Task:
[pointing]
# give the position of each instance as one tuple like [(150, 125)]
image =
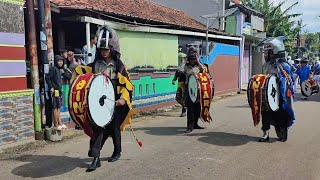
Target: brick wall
[(16, 117)]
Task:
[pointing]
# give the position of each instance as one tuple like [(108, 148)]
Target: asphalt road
[(226, 149)]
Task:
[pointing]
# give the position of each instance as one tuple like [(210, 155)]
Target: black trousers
[(101, 135), (48, 112), (184, 109), (278, 119), (193, 113)]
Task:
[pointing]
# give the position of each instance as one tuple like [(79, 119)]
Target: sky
[(310, 11)]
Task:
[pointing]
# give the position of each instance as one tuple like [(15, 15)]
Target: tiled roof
[(142, 9)]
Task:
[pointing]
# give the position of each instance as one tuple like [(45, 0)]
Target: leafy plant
[(277, 22)]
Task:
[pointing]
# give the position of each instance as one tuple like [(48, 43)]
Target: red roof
[(142, 9)]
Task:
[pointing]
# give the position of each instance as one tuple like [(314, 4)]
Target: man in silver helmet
[(276, 64), (109, 63)]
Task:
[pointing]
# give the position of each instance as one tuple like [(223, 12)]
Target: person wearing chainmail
[(180, 94), (276, 64), (108, 62), (192, 65), (304, 73)]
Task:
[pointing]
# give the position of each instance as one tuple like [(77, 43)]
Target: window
[(154, 88), (147, 89), (140, 90)]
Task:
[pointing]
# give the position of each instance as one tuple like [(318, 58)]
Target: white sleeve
[(84, 52), (181, 68), (93, 57)]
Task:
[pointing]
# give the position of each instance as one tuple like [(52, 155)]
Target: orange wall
[(225, 72)]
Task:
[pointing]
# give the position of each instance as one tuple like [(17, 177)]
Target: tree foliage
[(277, 22), (312, 43)]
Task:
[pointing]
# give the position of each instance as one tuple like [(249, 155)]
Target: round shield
[(101, 100), (249, 91), (273, 93), (309, 87), (193, 88), (306, 88)]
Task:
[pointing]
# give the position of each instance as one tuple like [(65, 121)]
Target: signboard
[(257, 23)]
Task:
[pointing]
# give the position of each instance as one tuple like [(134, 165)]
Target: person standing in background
[(93, 50), (180, 94), (304, 73), (54, 81)]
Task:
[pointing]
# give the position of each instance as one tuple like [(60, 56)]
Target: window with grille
[(153, 88), (147, 89)]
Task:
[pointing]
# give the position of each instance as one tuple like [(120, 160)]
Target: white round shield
[(101, 100), (273, 93), (193, 88)]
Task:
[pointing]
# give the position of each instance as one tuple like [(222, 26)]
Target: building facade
[(149, 45), (16, 101), (249, 24)]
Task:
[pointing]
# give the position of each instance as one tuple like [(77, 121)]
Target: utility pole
[(207, 41), (298, 38), (318, 33), (318, 43), (44, 59), (32, 48), (219, 19), (48, 23)]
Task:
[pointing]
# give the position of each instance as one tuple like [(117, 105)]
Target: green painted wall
[(19, 2), (162, 85), (152, 49), (231, 25)]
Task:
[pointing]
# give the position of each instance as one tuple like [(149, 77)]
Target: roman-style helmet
[(274, 46), (108, 39)]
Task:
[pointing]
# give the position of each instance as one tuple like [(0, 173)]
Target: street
[(226, 149)]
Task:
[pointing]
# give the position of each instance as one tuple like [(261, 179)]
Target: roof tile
[(143, 9)]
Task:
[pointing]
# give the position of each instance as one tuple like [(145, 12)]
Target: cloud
[(310, 11)]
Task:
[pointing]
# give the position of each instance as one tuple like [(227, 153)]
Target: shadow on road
[(39, 166), (241, 106), (226, 139), (214, 138), (177, 115), (163, 131), (314, 98)]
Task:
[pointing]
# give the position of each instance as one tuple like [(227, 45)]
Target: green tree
[(312, 43)]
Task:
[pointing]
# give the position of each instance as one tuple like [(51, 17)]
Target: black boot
[(183, 113), (188, 131), (262, 139), (114, 157), (265, 137), (94, 165), (284, 134), (279, 134), (78, 127)]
